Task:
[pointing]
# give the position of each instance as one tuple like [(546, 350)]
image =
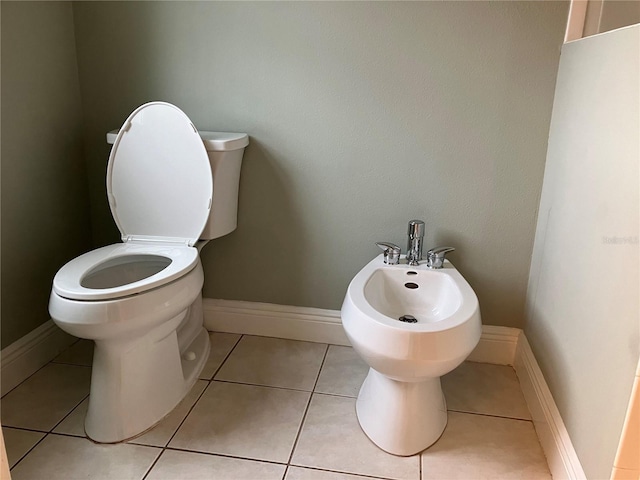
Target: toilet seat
[(160, 190), (68, 282), (159, 180)]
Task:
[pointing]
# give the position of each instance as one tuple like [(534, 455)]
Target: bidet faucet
[(414, 244)]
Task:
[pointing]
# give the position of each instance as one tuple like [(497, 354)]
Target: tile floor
[(268, 408)]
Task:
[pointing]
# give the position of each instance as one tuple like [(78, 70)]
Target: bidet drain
[(408, 319)]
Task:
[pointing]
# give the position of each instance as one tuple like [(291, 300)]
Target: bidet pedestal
[(402, 418)]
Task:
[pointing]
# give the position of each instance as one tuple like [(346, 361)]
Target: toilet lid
[(159, 179)]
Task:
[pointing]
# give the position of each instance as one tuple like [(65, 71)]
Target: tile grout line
[(233, 382), (188, 413), (225, 455), (70, 412), (306, 410), (491, 415), (26, 429), (340, 395), (153, 464), (226, 357), (69, 435), (30, 450), (363, 475), (22, 382)]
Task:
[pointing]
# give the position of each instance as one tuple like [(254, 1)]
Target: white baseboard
[(554, 438), (497, 344), (24, 357), (270, 320)]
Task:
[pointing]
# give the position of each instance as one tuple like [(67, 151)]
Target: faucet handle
[(391, 252), (435, 256)]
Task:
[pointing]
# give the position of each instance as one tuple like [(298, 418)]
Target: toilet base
[(134, 387), (402, 418)]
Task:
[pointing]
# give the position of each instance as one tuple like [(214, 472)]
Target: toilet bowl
[(140, 300), (401, 406)]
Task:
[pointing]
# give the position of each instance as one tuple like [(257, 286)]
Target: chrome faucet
[(414, 245), (435, 256), (391, 252)]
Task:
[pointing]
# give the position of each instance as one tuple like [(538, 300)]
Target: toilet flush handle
[(391, 252)]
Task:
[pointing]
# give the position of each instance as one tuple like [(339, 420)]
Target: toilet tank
[(225, 152)]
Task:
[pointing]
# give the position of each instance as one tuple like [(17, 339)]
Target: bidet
[(411, 324)]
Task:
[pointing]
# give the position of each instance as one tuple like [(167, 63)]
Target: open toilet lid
[(159, 180)]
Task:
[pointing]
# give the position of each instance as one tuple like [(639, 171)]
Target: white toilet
[(170, 189), (411, 325)]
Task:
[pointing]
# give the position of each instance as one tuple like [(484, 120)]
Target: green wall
[(45, 215), (362, 116)]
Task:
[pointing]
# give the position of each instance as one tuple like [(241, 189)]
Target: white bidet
[(411, 325)]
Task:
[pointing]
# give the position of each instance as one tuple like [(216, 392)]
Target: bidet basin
[(445, 308), (427, 295)]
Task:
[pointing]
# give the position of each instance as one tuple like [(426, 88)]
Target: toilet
[(410, 324), (170, 189)]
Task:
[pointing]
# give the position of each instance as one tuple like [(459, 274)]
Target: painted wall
[(45, 215), (583, 306), (362, 116)]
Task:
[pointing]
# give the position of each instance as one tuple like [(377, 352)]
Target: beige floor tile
[(173, 465), (484, 388), (19, 442), (298, 473), (482, 447), (73, 424), (244, 420), (80, 353), (70, 458), (160, 435), (342, 373), (331, 439), (47, 397), (274, 362), (221, 345)]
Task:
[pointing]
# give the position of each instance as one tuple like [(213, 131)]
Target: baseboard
[(554, 438), (497, 344), (270, 320), (24, 357)]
